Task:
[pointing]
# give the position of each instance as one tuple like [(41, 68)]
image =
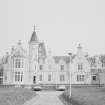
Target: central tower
[(33, 56)]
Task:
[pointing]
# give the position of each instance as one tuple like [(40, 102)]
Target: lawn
[(86, 96), (15, 96)]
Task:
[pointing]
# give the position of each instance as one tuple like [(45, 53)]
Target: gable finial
[(34, 27)]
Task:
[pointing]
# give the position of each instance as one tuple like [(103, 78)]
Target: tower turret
[(33, 57), (33, 46), (34, 36)]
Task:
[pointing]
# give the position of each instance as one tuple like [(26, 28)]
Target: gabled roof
[(19, 51)]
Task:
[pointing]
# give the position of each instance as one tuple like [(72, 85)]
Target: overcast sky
[(61, 24)]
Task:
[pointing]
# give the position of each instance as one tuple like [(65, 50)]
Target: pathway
[(46, 98)]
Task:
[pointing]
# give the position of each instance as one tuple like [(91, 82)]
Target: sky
[(61, 24)]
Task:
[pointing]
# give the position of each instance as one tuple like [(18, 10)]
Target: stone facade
[(34, 66)]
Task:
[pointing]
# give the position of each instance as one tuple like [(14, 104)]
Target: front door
[(34, 79)]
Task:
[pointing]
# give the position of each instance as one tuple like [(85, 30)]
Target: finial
[(34, 27), (79, 47)]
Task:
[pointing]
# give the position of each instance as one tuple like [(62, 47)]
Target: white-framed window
[(16, 76), (80, 77), (49, 77), (19, 76), (19, 63), (62, 77), (61, 67)]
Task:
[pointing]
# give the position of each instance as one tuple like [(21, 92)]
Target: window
[(103, 64), (41, 67), (62, 77), (62, 67), (80, 77), (40, 78), (16, 76), (22, 63), (1, 80), (80, 66), (49, 77), (19, 63), (1, 72), (94, 78), (19, 76)]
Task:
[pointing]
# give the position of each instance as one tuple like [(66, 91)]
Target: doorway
[(34, 79)]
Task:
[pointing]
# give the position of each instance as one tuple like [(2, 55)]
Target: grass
[(86, 96), (15, 96)]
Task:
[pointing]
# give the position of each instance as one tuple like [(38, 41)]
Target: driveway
[(46, 98)]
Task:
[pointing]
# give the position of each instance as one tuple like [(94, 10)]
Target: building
[(34, 66), (80, 68), (97, 69)]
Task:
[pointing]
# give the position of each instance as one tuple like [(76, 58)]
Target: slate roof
[(34, 37), (64, 58)]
